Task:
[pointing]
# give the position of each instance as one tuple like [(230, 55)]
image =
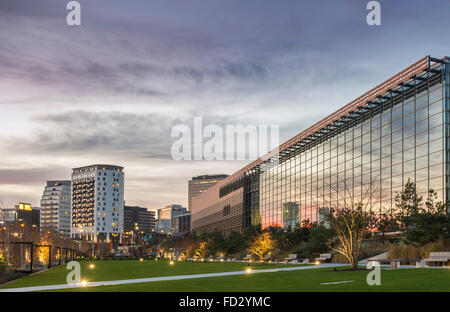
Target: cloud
[(78, 132), (32, 175), (112, 89)]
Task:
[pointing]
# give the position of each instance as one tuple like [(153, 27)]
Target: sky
[(111, 90)]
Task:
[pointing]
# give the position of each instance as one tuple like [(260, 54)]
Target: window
[(226, 210)]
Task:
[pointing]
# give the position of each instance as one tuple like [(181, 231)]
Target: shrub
[(408, 251)]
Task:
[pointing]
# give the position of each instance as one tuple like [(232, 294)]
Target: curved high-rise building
[(395, 132)]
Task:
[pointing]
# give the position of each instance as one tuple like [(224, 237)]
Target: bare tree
[(351, 219)]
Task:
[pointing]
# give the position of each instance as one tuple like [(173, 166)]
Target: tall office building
[(55, 207), (97, 201), (398, 131), (200, 184), (138, 219)]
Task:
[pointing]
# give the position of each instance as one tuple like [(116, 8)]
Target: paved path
[(167, 278)]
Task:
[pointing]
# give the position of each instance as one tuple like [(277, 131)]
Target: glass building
[(396, 132)]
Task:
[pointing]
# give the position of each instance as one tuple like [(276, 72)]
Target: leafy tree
[(318, 238), (408, 202), (386, 222), (430, 221), (4, 264), (201, 251), (235, 243), (216, 242), (251, 232), (262, 245)]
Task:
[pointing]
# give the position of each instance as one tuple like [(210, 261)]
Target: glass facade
[(381, 151), (397, 132)]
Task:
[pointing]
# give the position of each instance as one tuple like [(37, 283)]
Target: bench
[(438, 257), (291, 257), (324, 257), (395, 263), (247, 257)]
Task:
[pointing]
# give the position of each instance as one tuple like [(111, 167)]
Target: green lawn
[(407, 280), (107, 270), (291, 281)]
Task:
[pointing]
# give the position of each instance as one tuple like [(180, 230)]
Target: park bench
[(324, 257), (394, 263), (291, 257), (247, 258), (438, 257)]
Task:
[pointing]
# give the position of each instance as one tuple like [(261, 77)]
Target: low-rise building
[(138, 219)]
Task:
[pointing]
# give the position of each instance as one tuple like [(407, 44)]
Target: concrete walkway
[(167, 278)]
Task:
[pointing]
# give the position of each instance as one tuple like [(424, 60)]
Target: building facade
[(97, 201), (200, 184), (55, 207), (139, 219), (181, 224), (22, 221), (396, 132), (165, 216)]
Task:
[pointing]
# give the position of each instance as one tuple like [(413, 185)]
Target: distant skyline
[(110, 91)]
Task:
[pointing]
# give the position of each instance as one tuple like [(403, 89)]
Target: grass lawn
[(291, 281), (408, 280), (108, 270)]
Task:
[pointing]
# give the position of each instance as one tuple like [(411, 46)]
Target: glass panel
[(422, 114)]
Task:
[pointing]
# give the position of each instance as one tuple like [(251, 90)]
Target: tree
[(430, 221), (351, 226), (408, 203), (386, 222), (351, 219), (262, 245), (234, 243), (216, 242), (319, 237), (201, 250)]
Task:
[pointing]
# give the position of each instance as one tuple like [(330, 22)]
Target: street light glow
[(83, 283), (91, 266)]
